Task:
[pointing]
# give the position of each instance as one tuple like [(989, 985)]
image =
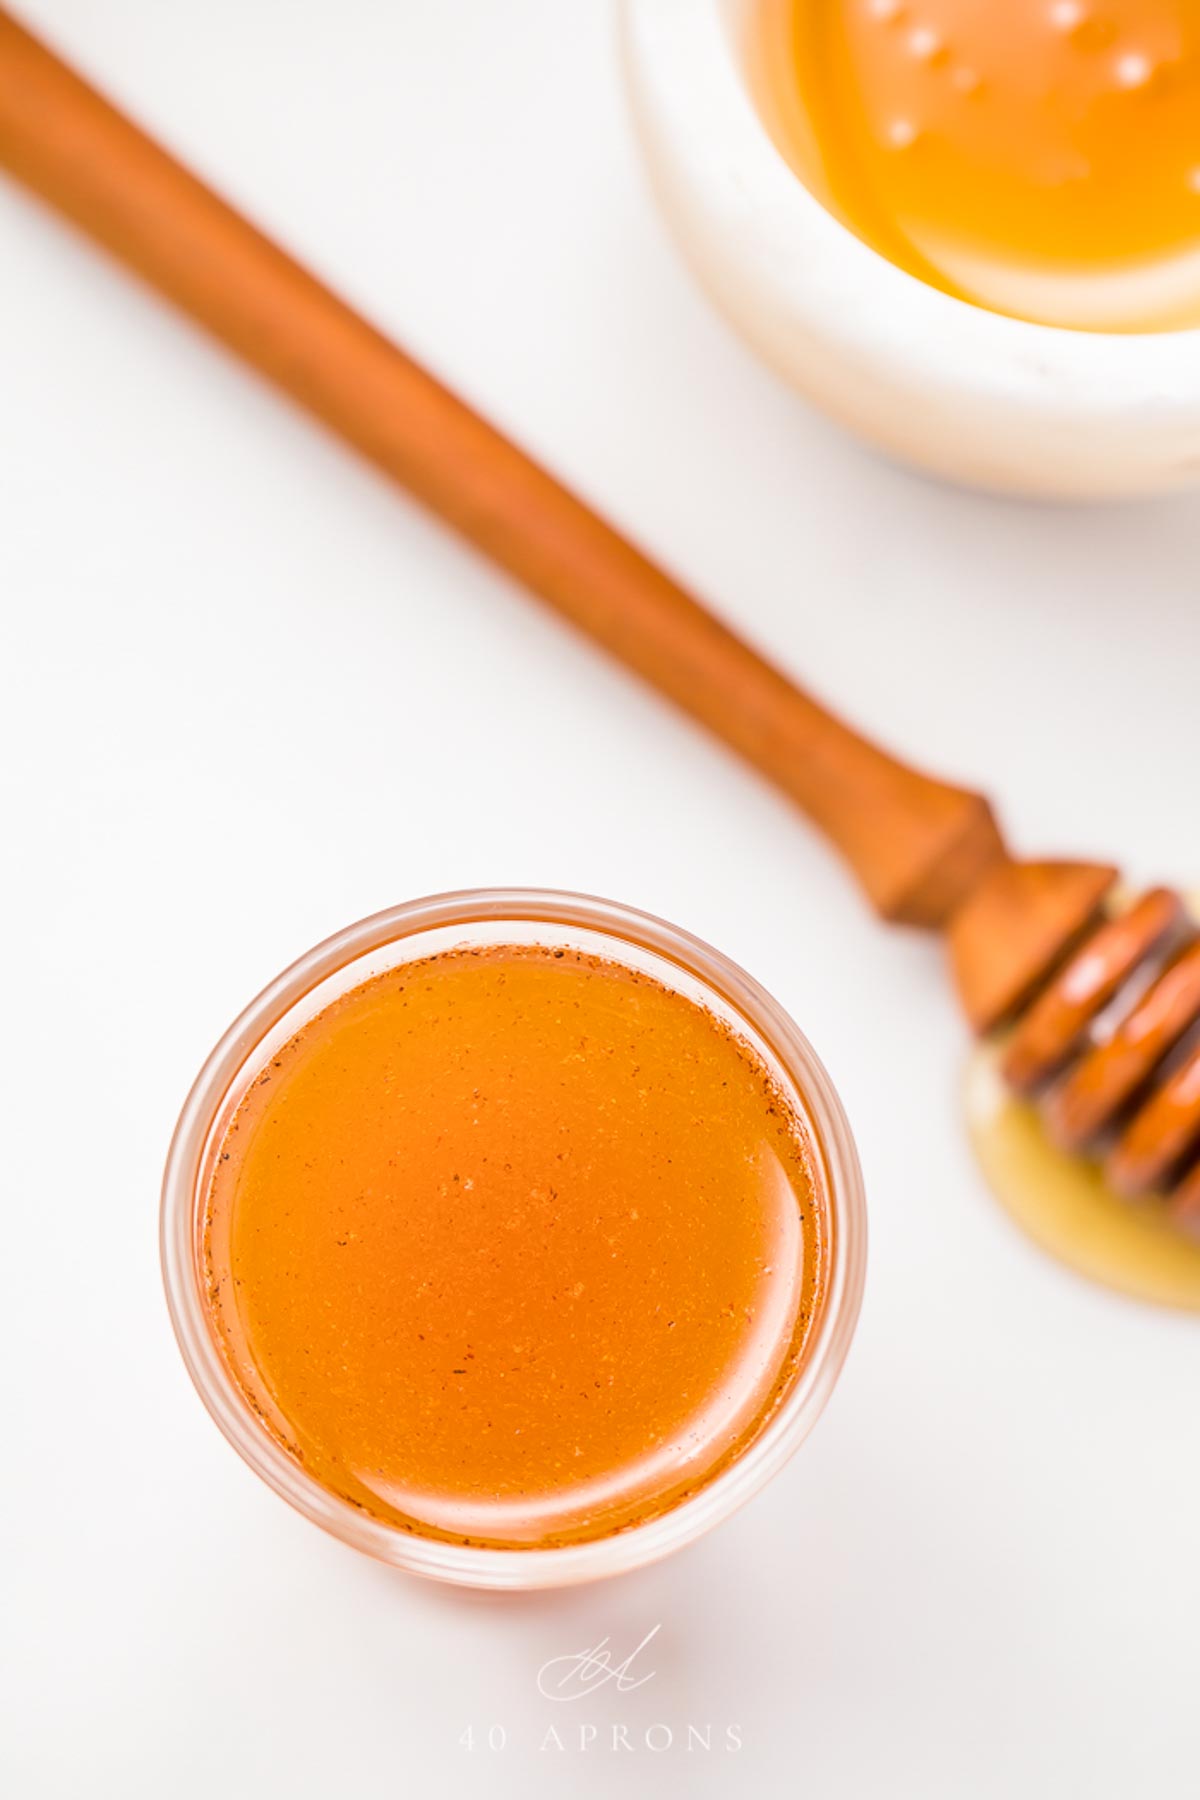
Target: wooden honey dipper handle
[(917, 845), (927, 853)]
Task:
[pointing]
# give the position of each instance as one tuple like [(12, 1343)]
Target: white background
[(249, 695)]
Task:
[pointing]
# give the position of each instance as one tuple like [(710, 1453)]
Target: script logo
[(582, 1672)]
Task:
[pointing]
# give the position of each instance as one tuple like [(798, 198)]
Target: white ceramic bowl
[(966, 393)]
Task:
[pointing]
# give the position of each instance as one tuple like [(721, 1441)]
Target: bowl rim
[(183, 1202), (686, 70)]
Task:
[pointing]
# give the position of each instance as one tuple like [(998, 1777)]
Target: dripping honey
[(1063, 1202), (514, 1245), (1037, 157)]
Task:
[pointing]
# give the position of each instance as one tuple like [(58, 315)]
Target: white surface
[(998, 402), (249, 695)]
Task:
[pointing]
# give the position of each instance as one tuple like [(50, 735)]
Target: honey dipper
[(1030, 943)]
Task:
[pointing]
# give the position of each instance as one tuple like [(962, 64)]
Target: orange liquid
[(1038, 157), (514, 1245), (1065, 1205)]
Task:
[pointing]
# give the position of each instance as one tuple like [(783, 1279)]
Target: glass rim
[(183, 1201)]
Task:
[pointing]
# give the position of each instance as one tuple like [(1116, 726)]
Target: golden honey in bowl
[(1036, 157), (514, 1245)]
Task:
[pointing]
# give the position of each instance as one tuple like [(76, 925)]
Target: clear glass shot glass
[(419, 929)]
